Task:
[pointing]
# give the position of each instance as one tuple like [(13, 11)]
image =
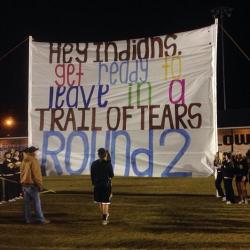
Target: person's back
[(101, 172), (30, 172)]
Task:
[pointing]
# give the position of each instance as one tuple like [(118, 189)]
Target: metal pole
[(232, 145), (223, 64), (3, 189), (221, 13)]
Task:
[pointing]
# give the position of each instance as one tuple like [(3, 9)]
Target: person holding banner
[(31, 180), (218, 175), (101, 174)]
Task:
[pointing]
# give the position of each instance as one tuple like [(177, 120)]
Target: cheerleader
[(218, 176), (228, 175), (241, 178)]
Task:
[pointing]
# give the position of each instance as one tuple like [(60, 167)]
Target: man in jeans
[(31, 180)]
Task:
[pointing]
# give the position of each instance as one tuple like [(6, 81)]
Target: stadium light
[(9, 122)]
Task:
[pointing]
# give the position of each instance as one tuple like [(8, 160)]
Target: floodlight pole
[(220, 13)]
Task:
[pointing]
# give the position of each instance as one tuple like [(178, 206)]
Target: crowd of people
[(229, 167), (11, 189)]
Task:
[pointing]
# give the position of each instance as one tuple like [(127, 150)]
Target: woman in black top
[(241, 178)]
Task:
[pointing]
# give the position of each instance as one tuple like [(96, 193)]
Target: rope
[(11, 50), (235, 43)]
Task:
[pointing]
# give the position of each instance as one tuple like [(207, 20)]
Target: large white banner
[(151, 102)]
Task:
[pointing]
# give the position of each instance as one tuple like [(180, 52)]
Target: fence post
[(3, 189)]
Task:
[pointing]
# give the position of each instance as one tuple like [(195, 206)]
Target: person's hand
[(41, 188), (18, 164), (10, 165)]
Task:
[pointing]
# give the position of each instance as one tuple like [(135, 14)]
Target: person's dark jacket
[(228, 169), (242, 167), (8, 167), (101, 172)]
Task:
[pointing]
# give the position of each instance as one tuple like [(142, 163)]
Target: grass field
[(146, 213)]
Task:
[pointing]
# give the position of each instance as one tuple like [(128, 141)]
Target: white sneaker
[(228, 202), (240, 202), (246, 201), (104, 222), (11, 200)]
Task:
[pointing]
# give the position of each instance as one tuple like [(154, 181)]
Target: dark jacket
[(228, 169), (7, 167), (241, 167), (101, 172)]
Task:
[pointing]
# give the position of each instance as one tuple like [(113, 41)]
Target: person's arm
[(92, 173), (111, 172), (37, 174), (21, 171)]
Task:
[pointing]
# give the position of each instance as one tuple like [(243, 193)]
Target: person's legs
[(12, 189), (231, 191), (37, 204), (105, 209), (218, 182), (100, 207), (7, 190), (226, 184), (239, 190), (105, 213), (105, 204), (244, 191), (27, 209), (97, 198)]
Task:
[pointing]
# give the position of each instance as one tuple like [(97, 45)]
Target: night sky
[(82, 21)]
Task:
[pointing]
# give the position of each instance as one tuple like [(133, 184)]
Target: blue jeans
[(31, 193)]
